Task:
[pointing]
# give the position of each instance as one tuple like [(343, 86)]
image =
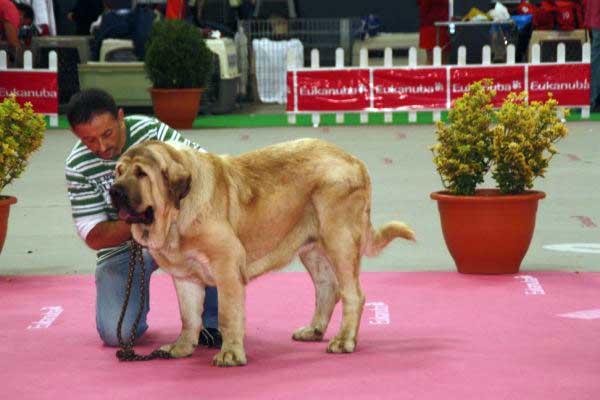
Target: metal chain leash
[(126, 352)]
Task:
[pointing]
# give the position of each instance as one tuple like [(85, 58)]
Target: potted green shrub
[(177, 62), (489, 230), (21, 133)]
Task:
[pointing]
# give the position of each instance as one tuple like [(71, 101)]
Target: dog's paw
[(178, 350), (230, 358), (307, 334), (341, 345)]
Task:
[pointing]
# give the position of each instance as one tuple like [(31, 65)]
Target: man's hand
[(108, 234)]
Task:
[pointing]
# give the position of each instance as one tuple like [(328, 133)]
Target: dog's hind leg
[(345, 257), (343, 226), (326, 294)]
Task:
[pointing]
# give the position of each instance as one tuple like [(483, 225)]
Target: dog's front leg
[(230, 286), (191, 303)]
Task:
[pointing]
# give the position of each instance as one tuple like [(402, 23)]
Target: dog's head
[(149, 178)]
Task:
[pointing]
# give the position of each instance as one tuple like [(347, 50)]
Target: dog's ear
[(178, 182)]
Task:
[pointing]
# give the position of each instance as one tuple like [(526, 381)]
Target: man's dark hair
[(26, 10), (85, 105)]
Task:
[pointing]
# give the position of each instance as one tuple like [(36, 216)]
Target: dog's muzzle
[(120, 200)]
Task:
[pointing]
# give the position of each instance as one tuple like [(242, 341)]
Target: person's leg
[(595, 70), (210, 315), (210, 335), (428, 39), (429, 56), (142, 19), (111, 281)]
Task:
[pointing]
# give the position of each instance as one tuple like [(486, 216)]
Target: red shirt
[(431, 11), (592, 14), (10, 13)]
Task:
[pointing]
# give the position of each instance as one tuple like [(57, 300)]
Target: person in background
[(84, 13), (44, 16), (28, 28), (104, 133), (241, 9), (592, 22), (121, 21), (431, 11), (12, 18)]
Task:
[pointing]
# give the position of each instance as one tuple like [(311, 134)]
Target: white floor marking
[(50, 315), (591, 248), (534, 287), (381, 313), (583, 314)]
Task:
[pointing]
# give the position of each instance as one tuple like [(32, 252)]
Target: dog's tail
[(378, 239)]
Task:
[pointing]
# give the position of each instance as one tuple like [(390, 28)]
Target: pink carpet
[(424, 336)]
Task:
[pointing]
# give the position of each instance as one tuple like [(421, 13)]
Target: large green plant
[(523, 143), (462, 154), (177, 56), (517, 149), (21, 133)]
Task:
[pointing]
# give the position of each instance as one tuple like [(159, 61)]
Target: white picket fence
[(437, 62), (28, 67)]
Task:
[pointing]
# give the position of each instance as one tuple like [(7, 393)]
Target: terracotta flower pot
[(176, 107), (488, 233), (5, 203)]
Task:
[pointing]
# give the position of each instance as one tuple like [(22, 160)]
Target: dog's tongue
[(135, 218), (124, 215)]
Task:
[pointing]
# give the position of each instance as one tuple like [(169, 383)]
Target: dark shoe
[(211, 338)]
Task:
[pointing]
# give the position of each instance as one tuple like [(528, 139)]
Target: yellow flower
[(21, 133), (513, 149)]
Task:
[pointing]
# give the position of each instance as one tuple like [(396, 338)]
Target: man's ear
[(178, 182)]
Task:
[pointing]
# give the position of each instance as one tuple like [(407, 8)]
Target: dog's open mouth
[(132, 217)]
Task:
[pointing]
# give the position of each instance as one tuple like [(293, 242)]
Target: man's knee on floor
[(108, 332), (109, 338)]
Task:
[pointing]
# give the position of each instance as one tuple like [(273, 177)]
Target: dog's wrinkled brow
[(143, 153)]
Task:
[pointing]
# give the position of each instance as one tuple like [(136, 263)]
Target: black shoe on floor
[(211, 338)]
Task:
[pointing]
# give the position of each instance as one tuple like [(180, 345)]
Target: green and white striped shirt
[(89, 177)]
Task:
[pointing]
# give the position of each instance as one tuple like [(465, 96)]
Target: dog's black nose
[(118, 195)]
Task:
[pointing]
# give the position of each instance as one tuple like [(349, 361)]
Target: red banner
[(338, 90), (506, 79), (38, 88), (568, 83), (290, 91), (413, 89), (409, 89)]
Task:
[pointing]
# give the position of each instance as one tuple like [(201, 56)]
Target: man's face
[(104, 135)]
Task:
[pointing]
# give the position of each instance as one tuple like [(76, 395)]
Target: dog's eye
[(140, 173)]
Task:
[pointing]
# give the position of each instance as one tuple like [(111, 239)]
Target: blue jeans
[(111, 281), (595, 67)]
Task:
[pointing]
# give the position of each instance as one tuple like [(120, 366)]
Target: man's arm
[(12, 37), (88, 206), (108, 234)]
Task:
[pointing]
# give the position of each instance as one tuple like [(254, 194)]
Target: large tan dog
[(224, 220)]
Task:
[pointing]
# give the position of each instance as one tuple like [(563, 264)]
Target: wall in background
[(396, 16)]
